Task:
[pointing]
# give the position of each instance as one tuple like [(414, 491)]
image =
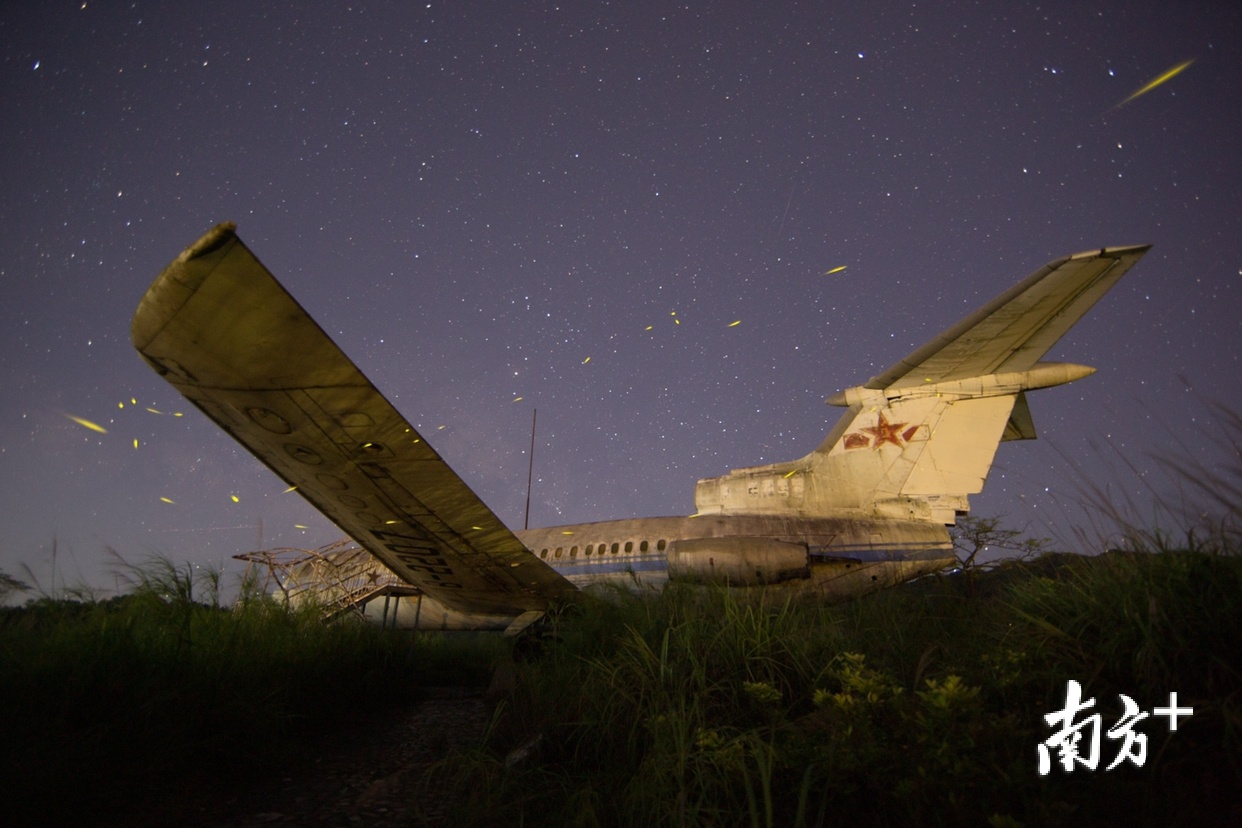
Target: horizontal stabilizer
[(1014, 331)]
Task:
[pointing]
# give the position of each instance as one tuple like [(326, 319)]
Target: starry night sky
[(475, 198)]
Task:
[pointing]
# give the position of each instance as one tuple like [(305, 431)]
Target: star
[(885, 432)]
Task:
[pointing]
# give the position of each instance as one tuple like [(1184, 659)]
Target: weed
[(922, 705), (104, 703)]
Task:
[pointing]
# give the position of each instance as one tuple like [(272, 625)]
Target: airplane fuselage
[(866, 509), (828, 558)]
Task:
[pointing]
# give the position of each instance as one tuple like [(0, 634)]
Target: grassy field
[(132, 704), (921, 705)]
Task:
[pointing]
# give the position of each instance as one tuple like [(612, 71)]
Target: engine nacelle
[(738, 561)]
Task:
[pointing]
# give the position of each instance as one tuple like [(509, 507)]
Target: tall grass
[(107, 704), (921, 705)]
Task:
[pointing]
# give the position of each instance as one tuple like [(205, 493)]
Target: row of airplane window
[(602, 549)]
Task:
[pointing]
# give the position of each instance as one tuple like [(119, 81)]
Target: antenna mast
[(530, 470)]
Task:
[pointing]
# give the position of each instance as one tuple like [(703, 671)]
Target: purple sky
[(474, 198)]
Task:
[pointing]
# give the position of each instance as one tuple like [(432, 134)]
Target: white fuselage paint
[(846, 556)]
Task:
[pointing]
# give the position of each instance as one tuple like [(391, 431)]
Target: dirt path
[(373, 778)]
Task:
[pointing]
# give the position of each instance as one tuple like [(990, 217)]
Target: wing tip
[(175, 283), (213, 239), (1118, 252)]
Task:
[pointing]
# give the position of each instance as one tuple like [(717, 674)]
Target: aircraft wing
[(220, 328), (1016, 329)]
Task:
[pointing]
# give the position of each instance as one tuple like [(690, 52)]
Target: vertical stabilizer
[(919, 438)]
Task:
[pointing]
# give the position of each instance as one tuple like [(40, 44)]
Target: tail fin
[(920, 437)]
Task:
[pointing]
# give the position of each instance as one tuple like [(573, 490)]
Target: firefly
[(88, 424), (1156, 81), (835, 270), (585, 361), (734, 324), (135, 442), (517, 399), (166, 500), (235, 498), (291, 488)]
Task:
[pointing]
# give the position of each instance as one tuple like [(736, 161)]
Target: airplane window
[(543, 554), (558, 551), (590, 548), (642, 547), (661, 544), (573, 552), (615, 547), (629, 547)]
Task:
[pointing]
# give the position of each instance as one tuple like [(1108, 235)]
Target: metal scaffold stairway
[(340, 577)]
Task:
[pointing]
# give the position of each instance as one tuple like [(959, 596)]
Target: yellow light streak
[(734, 324), (167, 500), (836, 269), (1157, 81), (88, 424)]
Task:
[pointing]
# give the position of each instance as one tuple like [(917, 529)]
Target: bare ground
[(373, 776)]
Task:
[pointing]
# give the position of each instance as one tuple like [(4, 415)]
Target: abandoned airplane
[(868, 508)]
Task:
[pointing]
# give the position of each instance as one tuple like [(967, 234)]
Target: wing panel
[(220, 328)]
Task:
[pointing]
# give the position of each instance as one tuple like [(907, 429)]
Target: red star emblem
[(885, 432)]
